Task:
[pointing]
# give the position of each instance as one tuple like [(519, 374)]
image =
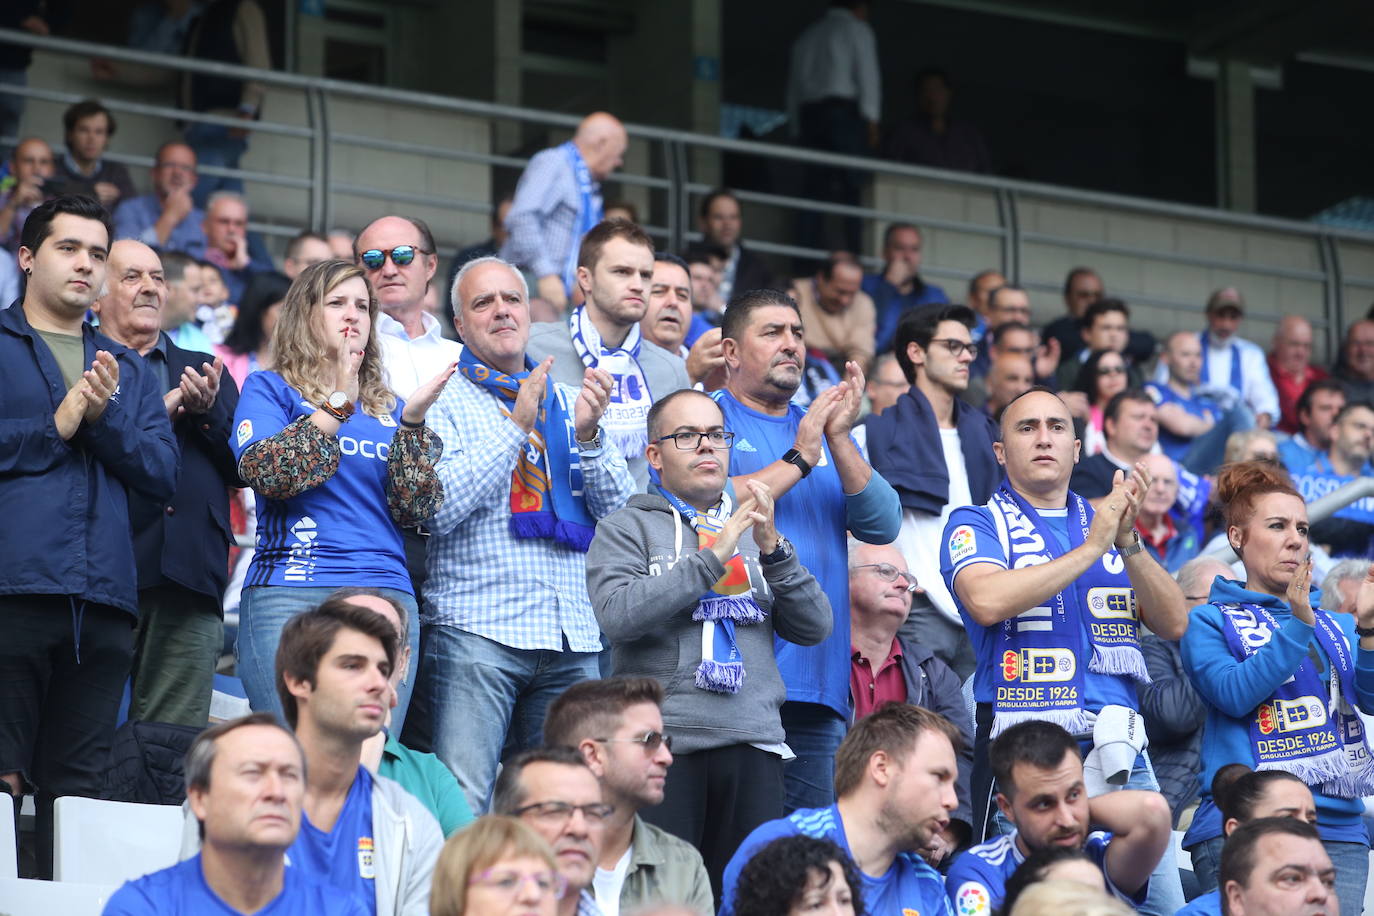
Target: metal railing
[(1319, 510), (676, 188)]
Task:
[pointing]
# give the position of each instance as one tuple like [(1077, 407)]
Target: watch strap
[(1132, 548), (794, 457), (1363, 631)]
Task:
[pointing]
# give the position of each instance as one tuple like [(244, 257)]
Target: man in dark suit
[(721, 225), (181, 546)]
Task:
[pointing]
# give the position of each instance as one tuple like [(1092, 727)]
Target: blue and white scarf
[(1305, 727), (1041, 672), (625, 419), (589, 211), (729, 602)]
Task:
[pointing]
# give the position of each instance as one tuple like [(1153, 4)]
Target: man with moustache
[(615, 270), (669, 318), (182, 546), (83, 427)]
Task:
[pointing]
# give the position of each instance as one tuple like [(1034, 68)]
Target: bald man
[(1171, 540), (1290, 366), (31, 164), (558, 200), (181, 546)]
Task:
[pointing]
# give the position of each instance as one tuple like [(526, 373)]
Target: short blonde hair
[(300, 357), (479, 846), (1058, 897)]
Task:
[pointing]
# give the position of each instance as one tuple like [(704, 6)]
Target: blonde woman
[(338, 464), (496, 866)]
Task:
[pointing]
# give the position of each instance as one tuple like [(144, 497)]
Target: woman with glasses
[(338, 463), (799, 876), (1284, 681), (1103, 376), (497, 866)]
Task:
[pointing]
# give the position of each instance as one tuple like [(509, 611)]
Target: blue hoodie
[(1233, 689)]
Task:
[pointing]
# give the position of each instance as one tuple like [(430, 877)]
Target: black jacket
[(1174, 715), (752, 272), (186, 539)]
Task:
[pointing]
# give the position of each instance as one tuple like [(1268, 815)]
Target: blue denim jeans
[(265, 609), (1351, 861), (814, 733), (478, 697), (1166, 888), (214, 147)]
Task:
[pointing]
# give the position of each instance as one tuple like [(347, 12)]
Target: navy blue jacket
[(186, 539), (65, 505)]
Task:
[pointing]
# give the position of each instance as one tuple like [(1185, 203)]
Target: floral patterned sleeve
[(301, 457), (413, 490)]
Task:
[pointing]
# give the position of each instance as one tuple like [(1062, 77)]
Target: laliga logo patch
[(366, 868), (962, 543), (972, 899), (245, 431)]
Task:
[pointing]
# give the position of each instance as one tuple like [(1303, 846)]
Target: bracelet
[(1363, 631), (336, 414), (408, 425)]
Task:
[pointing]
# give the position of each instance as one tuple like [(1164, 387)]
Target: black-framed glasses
[(401, 255), (889, 573), (687, 440), (559, 813), (957, 347), (650, 740)]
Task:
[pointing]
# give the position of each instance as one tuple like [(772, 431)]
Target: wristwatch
[(780, 553), (338, 406), (792, 456), (1363, 631), (1132, 548), (592, 444)]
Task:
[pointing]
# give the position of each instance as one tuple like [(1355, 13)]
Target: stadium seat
[(26, 897), (108, 842), (9, 849)]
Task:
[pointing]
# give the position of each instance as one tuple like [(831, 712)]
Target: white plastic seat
[(26, 897), (1180, 854), (108, 842)]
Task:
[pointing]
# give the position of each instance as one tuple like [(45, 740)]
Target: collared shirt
[(525, 593), (836, 57), (586, 905), (663, 868), (412, 361), (872, 686), (136, 218), (543, 217)]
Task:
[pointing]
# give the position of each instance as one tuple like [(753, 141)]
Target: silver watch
[(1131, 549), (592, 445)]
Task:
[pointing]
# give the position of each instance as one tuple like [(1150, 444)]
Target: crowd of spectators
[(701, 586)]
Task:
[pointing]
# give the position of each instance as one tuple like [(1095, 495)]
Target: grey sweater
[(645, 575), (664, 372)]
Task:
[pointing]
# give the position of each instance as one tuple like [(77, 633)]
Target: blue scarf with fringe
[(544, 484), (1306, 727), (729, 602)]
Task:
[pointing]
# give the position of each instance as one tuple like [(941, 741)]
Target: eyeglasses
[(177, 166), (401, 255), (510, 882), (650, 740), (889, 573), (957, 347), (1111, 370), (690, 440), (556, 814)]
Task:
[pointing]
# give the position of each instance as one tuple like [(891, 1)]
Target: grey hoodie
[(645, 575)]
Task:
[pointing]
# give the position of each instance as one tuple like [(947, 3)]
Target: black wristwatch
[(1363, 631), (780, 553), (792, 456)]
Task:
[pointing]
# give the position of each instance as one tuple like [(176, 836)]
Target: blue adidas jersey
[(1176, 447), (181, 889), (978, 877), (1208, 904), (909, 888), (339, 533), (812, 516)]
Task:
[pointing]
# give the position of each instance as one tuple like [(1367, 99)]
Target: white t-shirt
[(921, 534), (607, 884), (410, 362)]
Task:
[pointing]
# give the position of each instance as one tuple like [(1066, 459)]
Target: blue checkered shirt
[(543, 217), (525, 593)]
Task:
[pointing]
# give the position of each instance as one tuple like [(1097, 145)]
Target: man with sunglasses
[(889, 668), (936, 451), (398, 254), (684, 597), (554, 791), (617, 725)]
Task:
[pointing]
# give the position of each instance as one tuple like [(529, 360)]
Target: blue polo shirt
[(181, 891), (978, 878)]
